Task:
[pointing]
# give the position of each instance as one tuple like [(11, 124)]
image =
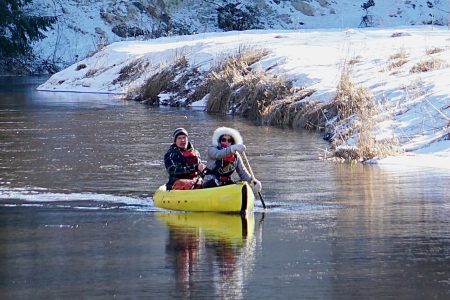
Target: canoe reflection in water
[(211, 253)]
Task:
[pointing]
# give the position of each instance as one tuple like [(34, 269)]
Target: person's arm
[(244, 174), (200, 166), (216, 154), (242, 170)]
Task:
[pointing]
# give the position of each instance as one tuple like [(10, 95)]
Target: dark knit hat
[(179, 131)]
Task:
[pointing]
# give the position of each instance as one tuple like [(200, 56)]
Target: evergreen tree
[(18, 28), (366, 20)]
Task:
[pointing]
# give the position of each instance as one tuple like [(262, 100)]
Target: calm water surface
[(77, 173)]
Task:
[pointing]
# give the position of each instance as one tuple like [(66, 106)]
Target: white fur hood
[(226, 131)]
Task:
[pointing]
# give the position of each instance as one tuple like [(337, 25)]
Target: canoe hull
[(230, 198)]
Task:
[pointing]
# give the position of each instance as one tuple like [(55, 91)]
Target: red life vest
[(231, 158), (225, 167), (191, 160)]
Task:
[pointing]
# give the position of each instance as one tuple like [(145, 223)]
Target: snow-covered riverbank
[(415, 102)]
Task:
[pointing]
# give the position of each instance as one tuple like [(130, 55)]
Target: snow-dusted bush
[(236, 16), (367, 19)]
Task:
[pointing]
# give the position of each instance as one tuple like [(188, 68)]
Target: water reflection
[(332, 232), (209, 249), (392, 203), (396, 226)]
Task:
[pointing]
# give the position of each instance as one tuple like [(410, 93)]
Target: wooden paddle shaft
[(244, 156)]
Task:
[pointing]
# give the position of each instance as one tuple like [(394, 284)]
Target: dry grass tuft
[(397, 60), (159, 82), (91, 73), (428, 65), (400, 34), (399, 55), (219, 93), (316, 117), (397, 64), (356, 115), (245, 57), (355, 60), (235, 88), (183, 84), (351, 99), (233, 82), (292, 111), (131, 71), (259, 91), (368, 150), (434, 50)]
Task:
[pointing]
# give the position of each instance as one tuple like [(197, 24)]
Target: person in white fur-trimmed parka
[(224, 159)]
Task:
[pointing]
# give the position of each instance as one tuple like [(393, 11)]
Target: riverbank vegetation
[(372, 93), (352, 131), (236, 85)]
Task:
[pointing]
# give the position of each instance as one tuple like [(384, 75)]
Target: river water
[(77, 172)]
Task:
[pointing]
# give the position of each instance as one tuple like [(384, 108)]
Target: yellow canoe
[(230, 198), (233, 228)]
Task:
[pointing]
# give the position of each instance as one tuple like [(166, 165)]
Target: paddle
[(244, 156)]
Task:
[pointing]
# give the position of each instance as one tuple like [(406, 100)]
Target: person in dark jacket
[(224, 159), (183, 163)]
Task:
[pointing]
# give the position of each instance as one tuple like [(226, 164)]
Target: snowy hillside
[(402, 63), (86, 26)]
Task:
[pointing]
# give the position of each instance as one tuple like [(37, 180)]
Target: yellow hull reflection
[(232, 228)]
